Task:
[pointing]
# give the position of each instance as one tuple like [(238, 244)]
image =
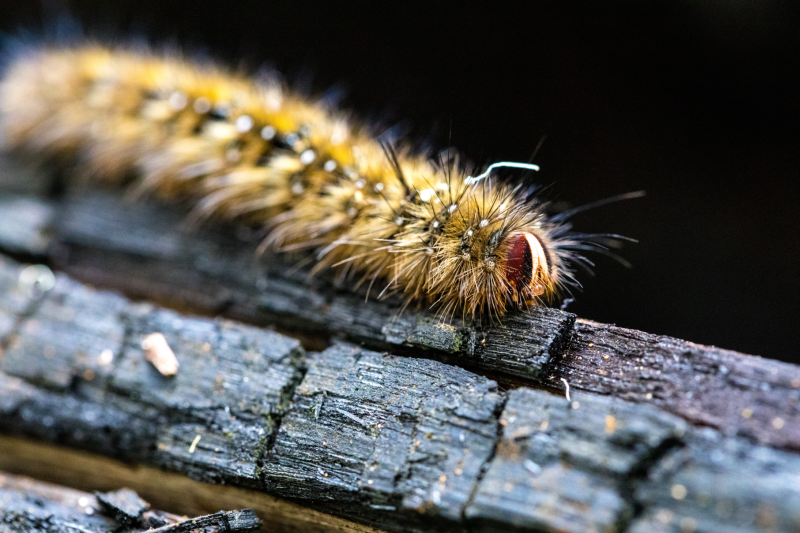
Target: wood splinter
[(157, 351)]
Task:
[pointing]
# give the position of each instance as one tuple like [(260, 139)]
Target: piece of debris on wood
[(125, 505), (157, 351), (30, 505), (228, 521)]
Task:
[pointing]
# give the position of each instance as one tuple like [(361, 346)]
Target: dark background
[(695, 103)]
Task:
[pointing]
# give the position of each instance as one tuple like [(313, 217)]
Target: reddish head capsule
[(527, 264)]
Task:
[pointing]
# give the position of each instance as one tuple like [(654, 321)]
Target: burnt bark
[(145, 251), (400, 422)]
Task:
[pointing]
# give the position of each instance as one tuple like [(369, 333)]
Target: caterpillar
[(315, 180)]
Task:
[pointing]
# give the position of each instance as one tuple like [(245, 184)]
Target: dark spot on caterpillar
[(285, 143), (466, 244), (492, 244), (219, 113), (351, 207)]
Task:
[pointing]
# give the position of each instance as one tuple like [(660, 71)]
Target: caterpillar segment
[(250, 151)]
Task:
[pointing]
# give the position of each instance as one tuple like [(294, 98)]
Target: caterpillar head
[(497, 252), (528, 267), (501, 251)]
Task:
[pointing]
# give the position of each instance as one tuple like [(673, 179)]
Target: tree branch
[(397, 442)]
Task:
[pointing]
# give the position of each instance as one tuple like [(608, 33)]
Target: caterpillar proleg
[(251, 151)]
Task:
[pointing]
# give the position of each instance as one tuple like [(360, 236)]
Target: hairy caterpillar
[(251, 151)]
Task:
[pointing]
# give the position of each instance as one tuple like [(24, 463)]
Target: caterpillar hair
[(251, 151)]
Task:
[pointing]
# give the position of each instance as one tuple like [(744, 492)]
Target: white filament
[(502, 164)]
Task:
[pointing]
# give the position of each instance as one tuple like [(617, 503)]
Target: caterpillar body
[(253, 152)]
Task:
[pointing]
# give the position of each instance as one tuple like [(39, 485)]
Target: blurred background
[(696, 103)]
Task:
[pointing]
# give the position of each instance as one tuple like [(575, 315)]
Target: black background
[(695, 103)]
